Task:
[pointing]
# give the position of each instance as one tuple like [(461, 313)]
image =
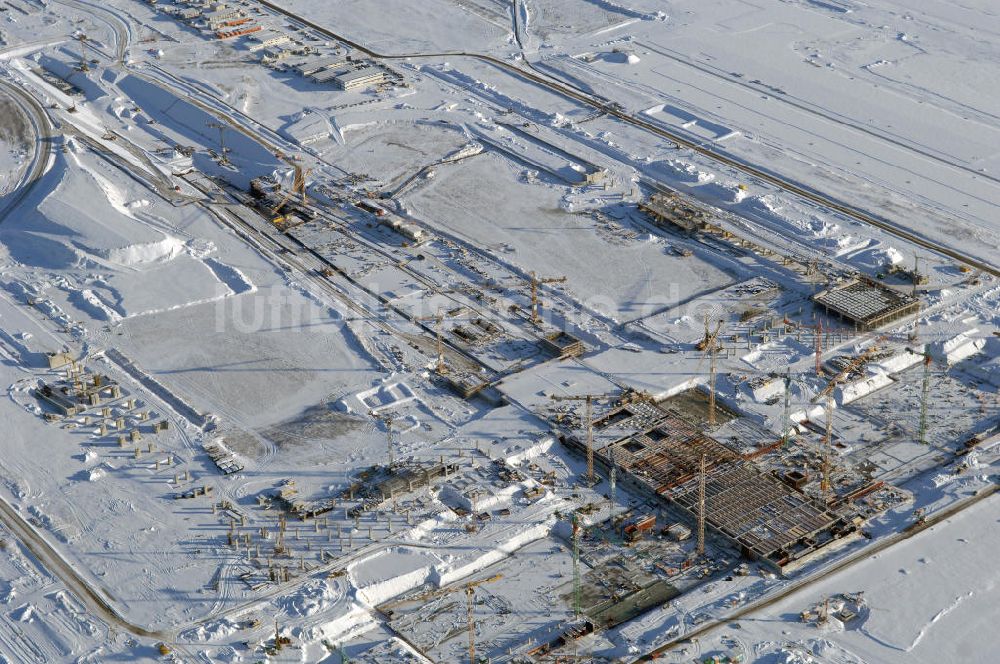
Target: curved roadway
[(43, 146), (96, 602)]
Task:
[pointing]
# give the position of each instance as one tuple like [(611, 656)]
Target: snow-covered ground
[(929, 599), (273, 467)]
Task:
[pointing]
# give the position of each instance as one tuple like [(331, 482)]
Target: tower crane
[(537, 281), (576, 567), (83, 56), (701, 505), (589, 400), (470, 610), (470, 605), (827, 394), (824, 483), (925, 388), (710, 345)]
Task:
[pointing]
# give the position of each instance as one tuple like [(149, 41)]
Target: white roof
[(356, 74)]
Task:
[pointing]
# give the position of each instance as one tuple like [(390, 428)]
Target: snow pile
[(989, 370), (95, 474), (200, 248), (392, 650), (313, 597), (517, 455), (355, 620), (445, 574), (794, 657), (148, 252), (726, 192), (90, 302), (7, 592), (763, 390), (213, 631), (485, 501), (25, 613), (682, 171), (898, 362), (890, 256), (390, 573), (389, 394), (855, 390), (960, 347)]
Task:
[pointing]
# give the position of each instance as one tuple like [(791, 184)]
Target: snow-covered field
[(312, 422)]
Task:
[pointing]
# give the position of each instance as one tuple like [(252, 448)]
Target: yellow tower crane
[(589, 400), (470, 605), (710, 346), (537, 281)]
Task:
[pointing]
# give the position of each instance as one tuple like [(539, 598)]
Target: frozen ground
[(318, 416), (907, 619), (17, 147)]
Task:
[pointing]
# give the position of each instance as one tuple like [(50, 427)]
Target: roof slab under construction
[(866, 304), (760, 515)]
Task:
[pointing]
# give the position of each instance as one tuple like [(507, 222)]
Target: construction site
[(321, 353)]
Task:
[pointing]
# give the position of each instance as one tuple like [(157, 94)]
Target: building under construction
[(866, 303), (562, 344), (670, 209), (763, 517)]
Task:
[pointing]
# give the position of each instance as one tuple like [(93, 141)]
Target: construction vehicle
[(536, 281)]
